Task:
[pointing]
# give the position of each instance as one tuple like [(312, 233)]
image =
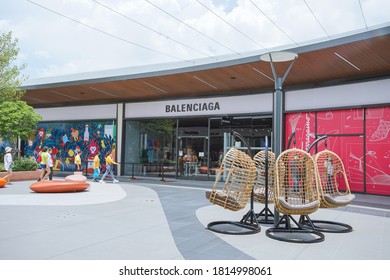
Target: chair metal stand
[(266, 216), (247, 225), (324, 226), (285, 231)]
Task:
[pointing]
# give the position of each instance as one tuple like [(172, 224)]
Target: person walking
[(8, 164), (77, 161), (45, 168), (49, 164), (96, 167), (109, 168)]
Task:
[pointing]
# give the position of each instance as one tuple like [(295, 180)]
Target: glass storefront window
[(149, 146), (188, 148)]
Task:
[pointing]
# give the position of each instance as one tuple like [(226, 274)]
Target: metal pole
[(132, 171), (278, 101)]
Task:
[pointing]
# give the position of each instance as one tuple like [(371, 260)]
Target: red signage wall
[(368, 164), (378, 150)]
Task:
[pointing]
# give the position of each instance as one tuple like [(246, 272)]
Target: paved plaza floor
[(146, 219)]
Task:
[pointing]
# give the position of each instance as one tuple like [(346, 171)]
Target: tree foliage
[(17, 118), (10, 80)]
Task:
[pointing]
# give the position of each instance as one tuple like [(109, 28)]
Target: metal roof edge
[(163, 69)]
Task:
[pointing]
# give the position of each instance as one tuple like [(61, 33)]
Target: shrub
[(24, 164)]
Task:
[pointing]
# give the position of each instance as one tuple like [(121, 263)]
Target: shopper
[(96, 167), (45, 168), (77, 161), (8, 164), (109, 168), (49, 165)]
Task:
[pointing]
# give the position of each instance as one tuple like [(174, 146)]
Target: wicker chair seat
[(260, 197), (296, 187), (329, 167), (336, 200), (297, 194), (221, 199), (293, 208), (260, 160), (240, 172)]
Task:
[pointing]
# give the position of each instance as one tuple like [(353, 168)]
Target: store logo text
[(194, 107)]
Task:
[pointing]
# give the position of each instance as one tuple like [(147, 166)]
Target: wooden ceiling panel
[(315, 67)]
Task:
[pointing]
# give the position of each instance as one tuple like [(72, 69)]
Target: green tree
[(17, 118), (10, 73)]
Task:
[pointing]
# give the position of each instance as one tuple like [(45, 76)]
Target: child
[(109, 168), (96, 167), (77, 161)]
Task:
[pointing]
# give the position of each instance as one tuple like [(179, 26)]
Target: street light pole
[(278, 103)]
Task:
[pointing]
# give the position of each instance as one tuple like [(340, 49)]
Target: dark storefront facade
[(186, 138)]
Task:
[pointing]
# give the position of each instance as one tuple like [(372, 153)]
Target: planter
[(23, 175)]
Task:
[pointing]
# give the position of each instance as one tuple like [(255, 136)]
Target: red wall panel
[(378, 150), (303, 125), (348, 121), (346, 130)]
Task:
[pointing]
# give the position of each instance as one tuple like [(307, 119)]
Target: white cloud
[(52, 44)]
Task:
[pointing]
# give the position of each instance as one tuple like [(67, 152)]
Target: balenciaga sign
[(213, 106), (192, 107)]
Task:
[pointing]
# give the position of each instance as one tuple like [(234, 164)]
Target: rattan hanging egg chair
[(295, 194), (330, 174), (240, 172), (263, 191)]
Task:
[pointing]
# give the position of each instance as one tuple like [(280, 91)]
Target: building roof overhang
[(349, 58)]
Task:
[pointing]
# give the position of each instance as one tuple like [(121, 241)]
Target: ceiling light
[(62, 94), (102, 91), (347, 61), (206, 83), (36, 99), (146, 83), (265, 75), (278, 56)]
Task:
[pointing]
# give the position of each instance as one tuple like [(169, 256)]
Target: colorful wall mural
[(67, 138), (365, 153)]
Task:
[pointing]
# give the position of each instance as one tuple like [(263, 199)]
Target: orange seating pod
[(3, 182), (59, 186)]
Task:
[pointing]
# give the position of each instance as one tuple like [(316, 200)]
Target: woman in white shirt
[(8, 164)]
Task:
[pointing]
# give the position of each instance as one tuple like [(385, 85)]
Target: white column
[(119, 136)]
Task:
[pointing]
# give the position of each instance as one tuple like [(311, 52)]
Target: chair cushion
[(223, 200), (339, 199), (297, 207)]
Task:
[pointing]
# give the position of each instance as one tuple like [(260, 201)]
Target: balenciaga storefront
[(188, 138)]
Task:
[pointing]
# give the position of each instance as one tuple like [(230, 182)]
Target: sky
[(63, 37)]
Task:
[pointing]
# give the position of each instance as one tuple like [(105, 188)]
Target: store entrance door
[(193, 157)]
